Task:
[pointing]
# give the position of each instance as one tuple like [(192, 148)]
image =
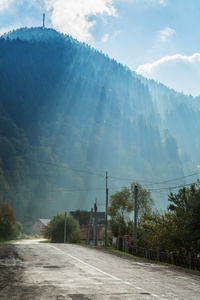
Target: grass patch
[(6, 242), (45, 242), (112, 249)]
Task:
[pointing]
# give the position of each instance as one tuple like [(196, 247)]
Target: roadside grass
[(22, 238), (6, 242), (112, 249)]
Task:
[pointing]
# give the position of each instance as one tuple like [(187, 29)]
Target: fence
[(187, 262)]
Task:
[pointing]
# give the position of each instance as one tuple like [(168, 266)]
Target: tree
[(17, 231), (82, 216), (185, 207), (145, 202), (7, 220), (54, 231), (121, 205), (178, 229), (157, 231)]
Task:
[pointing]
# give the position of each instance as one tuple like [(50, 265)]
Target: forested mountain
[(68, 113)]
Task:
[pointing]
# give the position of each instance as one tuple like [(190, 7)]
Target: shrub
[(54, 231), (7, 220), (17, 232)]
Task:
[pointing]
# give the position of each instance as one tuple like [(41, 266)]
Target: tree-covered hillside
[(69, 113)]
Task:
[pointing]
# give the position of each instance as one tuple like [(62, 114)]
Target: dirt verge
[(11, 269)]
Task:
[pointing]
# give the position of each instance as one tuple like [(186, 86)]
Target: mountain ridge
[(65, 106)]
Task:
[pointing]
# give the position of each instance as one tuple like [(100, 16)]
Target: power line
[(51, 190), (183, 177), (70, 169), (173, 187), (114, 177), (155, 183), (95, 189)]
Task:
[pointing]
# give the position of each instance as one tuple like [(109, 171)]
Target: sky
[(158, 39)]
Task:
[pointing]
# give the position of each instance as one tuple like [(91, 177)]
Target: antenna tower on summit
[(43, 20)]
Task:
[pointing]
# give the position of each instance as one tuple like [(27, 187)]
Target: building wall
[(37, 227)]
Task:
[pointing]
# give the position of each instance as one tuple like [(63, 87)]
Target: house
[(39, 225)]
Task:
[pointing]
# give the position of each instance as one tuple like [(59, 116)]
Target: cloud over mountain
[(170, 68), (5, 4), (75, 17)]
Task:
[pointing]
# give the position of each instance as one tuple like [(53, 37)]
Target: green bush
[(37, 236), (17, 232), (7, 221), (24, 236), (54, 231)]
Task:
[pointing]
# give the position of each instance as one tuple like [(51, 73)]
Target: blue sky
[(157, 38)]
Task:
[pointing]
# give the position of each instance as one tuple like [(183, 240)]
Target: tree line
[(175, 230)]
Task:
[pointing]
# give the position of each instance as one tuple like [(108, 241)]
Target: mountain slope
[(68, 113)]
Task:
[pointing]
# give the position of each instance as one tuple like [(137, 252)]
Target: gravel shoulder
[(11, 270)]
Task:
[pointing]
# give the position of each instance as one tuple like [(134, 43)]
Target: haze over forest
[(68, 113)]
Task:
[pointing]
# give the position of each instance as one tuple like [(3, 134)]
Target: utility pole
[(88, 233), (135, 216), (95, 223), (106, 229), (65, 229)]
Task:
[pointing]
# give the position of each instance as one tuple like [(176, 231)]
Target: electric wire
[(110, 177), (70, 169), (114, 177)]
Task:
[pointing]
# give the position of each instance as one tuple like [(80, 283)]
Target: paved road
[(62, 271)]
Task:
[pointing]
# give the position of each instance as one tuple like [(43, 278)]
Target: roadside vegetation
[(9, 228), (54, 231), (175, 230)]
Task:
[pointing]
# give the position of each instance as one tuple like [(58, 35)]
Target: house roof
[(45, 221)]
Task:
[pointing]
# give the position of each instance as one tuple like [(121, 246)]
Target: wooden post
[(135, 217), (65, 229)]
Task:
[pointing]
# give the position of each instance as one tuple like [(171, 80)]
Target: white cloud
[(165, 34), (12, 4), (8, 28), (105, 38), (162, 2), (179, 72), (5, 4), (117, 32), (73, 17), (39, 4)]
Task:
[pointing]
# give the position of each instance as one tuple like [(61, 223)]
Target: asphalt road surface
[(35, 270)]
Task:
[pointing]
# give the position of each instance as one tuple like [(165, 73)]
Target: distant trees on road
[(54, 231), (7, 221)]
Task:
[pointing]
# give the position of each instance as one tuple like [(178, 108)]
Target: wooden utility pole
[(135, 216), (88, 233), (65, 229), (95, 223), (106, 229)]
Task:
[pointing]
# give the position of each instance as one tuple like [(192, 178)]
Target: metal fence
[(187, 262)]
